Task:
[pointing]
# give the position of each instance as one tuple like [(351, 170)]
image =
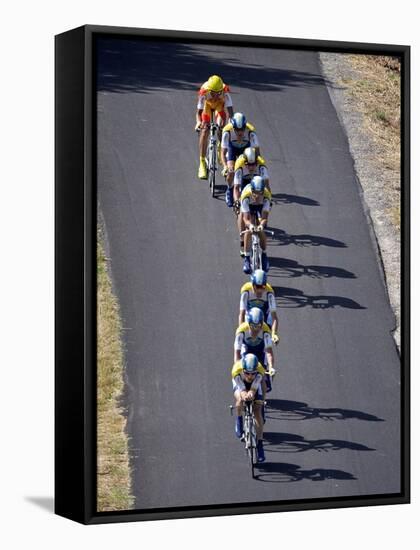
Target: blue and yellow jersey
[(246, 342), (239, 382), (237, 369), (267, 301), (231, 138), (229, 127), (241, 162), (247, 195)]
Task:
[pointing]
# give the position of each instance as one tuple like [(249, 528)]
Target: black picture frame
[(75, 269)]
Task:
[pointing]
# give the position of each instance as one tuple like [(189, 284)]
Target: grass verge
[(113, 479), (377, 90)]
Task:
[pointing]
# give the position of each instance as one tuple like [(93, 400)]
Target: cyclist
[(254, 336), (213, 96), (248, 380), (255, 207), (236, 137), (258, 293), (248, 165)]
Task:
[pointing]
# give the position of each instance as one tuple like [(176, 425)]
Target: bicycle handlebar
[(255, 231)]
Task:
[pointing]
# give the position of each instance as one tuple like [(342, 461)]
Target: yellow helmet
[(215, 84)]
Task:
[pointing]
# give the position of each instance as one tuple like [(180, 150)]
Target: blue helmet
[(257, 184), (259, 277), (250, 363), (238, 121), (255, 316)]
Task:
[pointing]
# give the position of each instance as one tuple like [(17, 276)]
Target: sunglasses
[(253, 325), (259, 286), (250, 373)]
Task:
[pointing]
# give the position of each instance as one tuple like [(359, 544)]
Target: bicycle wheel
[(212, 174), (256, 254), (250, 437), (253, 447)]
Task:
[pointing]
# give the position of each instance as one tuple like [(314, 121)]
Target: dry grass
[(377, 90), (114, 480)]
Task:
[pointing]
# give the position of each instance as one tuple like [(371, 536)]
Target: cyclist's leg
[(205, 129), (246, 216), (259, 421), (241, 227), (259, 424), (221, 117), (239, 423)]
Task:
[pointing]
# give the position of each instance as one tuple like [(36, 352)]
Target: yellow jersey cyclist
[(248, 165), (236, 137), (213, 97), (259, 293), (254, 336), (255, 208), (248, 381)]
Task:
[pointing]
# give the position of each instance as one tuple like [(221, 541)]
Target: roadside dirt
[(365, 93)]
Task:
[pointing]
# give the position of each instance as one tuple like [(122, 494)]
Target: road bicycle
[(212, 153), (256, 250), (250, 433)]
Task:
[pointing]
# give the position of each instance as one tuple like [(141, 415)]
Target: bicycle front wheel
[(212, 171), (250, 442)]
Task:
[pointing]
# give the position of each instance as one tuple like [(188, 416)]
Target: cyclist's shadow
[(272, 472)]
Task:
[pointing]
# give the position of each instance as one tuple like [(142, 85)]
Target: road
[(333, 423)]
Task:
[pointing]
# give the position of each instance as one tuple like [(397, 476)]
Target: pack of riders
[(248, 191)]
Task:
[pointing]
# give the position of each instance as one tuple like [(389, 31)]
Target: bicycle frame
[(211, 156), (256, 250), (250, 434)]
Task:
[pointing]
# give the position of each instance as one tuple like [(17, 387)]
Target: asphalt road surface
[(333, 422)]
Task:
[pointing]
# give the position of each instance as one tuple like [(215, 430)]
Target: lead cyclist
[(247, 381), (213, 98)]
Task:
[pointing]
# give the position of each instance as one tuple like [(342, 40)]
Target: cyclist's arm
[(254, 142), (265, 176), (270, 358), (198, 117), (268, 348), (264, 218), (256, 383), (225, 145), (242, 307), (239, 338), (273, 312), (237, 179), (247, 219), (229, 104)]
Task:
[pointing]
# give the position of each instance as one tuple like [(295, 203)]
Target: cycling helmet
[(215, 84), (238, 121), (250, 155), (255, 316), (250, 363), (259, 277), (257, 184)]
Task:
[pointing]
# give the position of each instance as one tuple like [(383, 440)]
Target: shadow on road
[(285, 473), (143, 66), (294, 410), (293, 298), (292, 443), (284, 198), (283, 268), (281, 238)]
